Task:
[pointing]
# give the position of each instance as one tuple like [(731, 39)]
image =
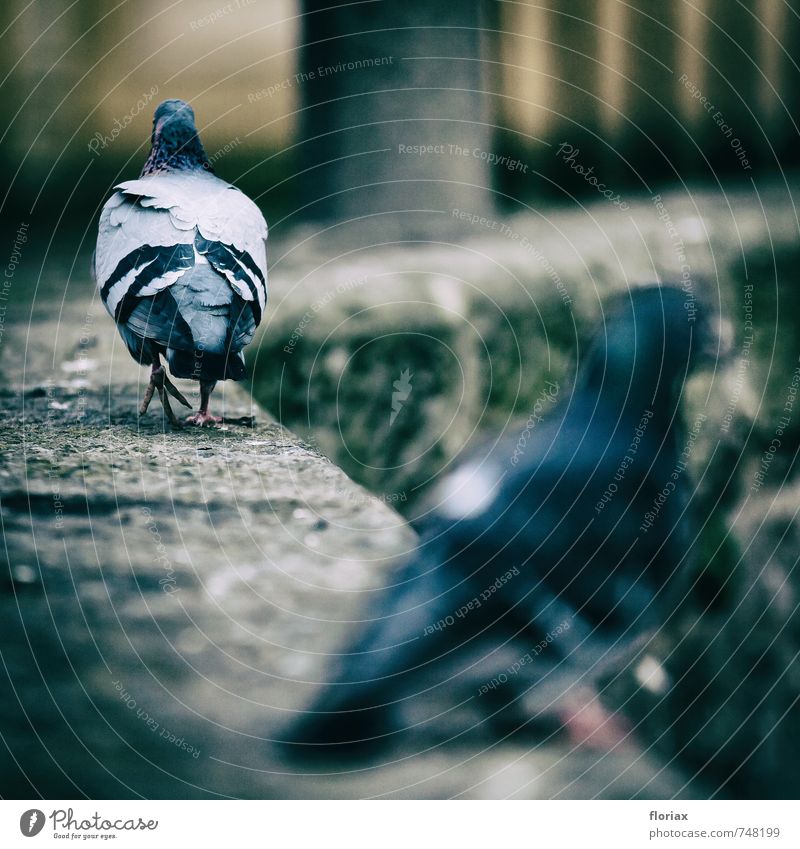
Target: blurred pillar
[(526, 56), (652, 141), (734, 78), (551, 55), (615, 65), (576, 71), (777, 35), (790, 93), (380, 82), (691, 67), (772, 19), (690, 81)]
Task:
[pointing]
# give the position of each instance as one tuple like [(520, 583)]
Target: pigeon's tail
[(199, 322), (206, 365), (395, 659), (220, 324)]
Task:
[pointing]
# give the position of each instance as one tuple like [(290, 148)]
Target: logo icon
[(31, 822), (402, 389)]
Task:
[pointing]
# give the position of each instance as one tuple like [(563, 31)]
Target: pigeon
[(181, 266), (536, 573)]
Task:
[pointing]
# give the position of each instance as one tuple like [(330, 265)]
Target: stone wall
[(168, 599)]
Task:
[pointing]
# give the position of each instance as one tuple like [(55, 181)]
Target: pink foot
[(202, 419), (590, 724)]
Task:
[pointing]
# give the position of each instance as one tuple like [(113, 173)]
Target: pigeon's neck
[(645, 387), (179, 155)]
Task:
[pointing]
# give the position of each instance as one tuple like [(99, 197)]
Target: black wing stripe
[(172, 258), (138, 257), (155, 261), (228, 258)]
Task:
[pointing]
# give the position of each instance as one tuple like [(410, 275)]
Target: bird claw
[(148, 395), (173, 419), (591, 725), (175, 392), (201, 419), (159, 382)]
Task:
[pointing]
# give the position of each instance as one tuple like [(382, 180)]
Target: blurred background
[(277, 93), (451, 190)]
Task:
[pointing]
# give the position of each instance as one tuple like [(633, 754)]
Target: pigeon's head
[(176, 112), (650, 340), (176, 145)]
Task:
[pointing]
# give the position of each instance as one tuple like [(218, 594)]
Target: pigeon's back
[(568, 504), (536, 541), (181, 263), (568, 514)]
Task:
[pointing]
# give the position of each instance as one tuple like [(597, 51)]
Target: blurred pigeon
[(181, 265), (535, 573)]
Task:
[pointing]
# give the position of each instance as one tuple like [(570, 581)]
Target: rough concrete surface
[(168, 598)]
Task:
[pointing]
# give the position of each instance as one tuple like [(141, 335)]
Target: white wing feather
[(201, 202)]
